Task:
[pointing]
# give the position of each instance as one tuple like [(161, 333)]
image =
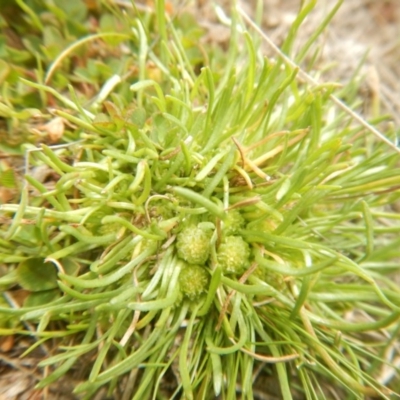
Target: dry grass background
[(361, 27)]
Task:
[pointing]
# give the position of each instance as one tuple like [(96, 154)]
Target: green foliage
[(146, 151), (35, 275)]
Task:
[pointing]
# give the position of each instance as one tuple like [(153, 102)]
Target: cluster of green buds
[(194, 245)]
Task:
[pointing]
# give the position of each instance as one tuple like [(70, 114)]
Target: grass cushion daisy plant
[(184, 221)]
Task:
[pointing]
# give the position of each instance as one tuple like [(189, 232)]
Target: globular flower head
[(233, 255), (193, 245), (193, 281), (233, 223)]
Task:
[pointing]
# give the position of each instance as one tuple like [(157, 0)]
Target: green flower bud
[(272, 278), (149, 244), (233, 255), (193, 245), (106, 229), (193, 281), (233, 223)]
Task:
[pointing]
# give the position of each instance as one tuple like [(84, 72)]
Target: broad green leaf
[(41, 298), (36, 275)]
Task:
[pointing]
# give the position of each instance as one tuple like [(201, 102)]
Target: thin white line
[(311, 80)]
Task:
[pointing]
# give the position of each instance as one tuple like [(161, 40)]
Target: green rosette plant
[(209, 220)]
